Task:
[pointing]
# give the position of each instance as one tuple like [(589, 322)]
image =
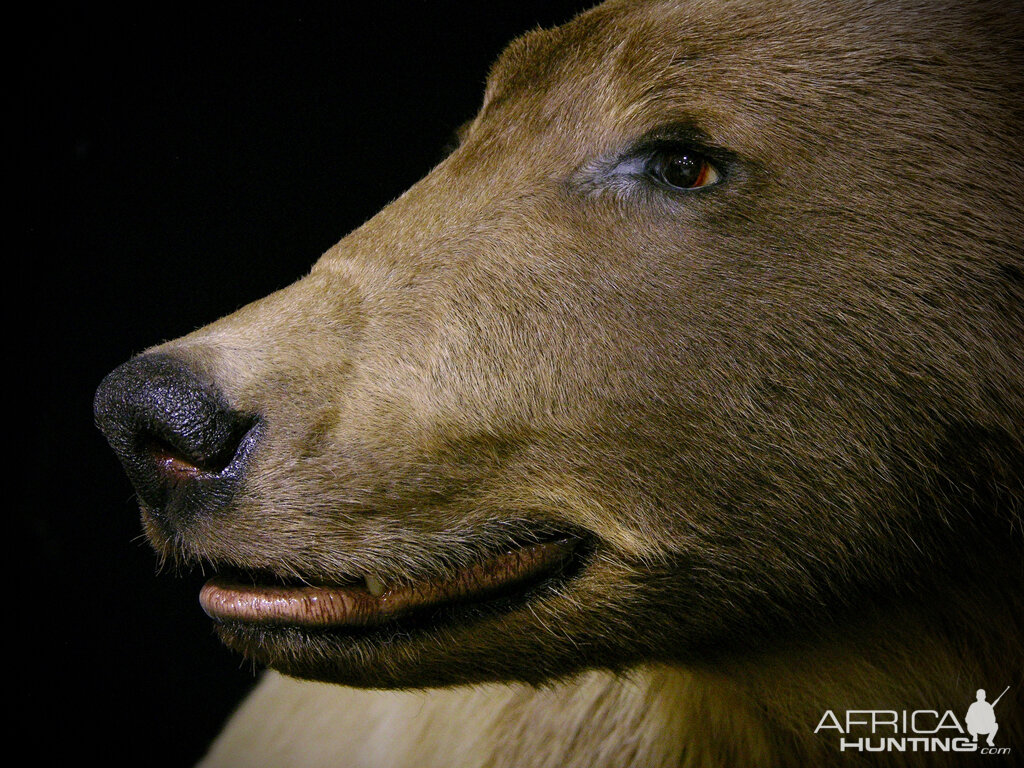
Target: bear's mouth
[(260, 599)]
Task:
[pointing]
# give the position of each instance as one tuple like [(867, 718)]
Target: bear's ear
[(455, 140)]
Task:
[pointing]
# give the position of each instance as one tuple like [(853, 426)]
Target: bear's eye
[(681, 168)]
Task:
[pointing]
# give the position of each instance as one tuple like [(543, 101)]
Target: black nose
[(183, 448)]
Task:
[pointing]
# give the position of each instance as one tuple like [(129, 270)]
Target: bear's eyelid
[(674, 133), (680, 137)]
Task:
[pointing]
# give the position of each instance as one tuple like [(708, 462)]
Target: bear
[(673, 419)]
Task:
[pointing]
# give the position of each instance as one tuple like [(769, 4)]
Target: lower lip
[(224, 599)]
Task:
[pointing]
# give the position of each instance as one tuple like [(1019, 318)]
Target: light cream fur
[(659, 717)]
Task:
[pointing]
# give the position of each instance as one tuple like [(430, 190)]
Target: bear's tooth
[(375, 586)]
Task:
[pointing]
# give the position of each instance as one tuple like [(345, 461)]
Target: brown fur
[(786, 410)]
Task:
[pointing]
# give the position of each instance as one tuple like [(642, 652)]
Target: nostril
[(180, 443), (171, 462), (177, 458)]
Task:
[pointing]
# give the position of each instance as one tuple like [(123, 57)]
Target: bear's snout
[(183, 447)]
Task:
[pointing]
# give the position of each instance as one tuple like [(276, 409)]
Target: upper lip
[(361, 602)]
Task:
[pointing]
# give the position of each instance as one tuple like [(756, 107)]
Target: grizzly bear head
[(706, 337)]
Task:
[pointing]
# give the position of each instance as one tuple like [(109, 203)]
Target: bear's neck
[(905, 661), (762, 710)]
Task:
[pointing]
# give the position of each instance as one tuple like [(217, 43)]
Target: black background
[(169, 169)]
